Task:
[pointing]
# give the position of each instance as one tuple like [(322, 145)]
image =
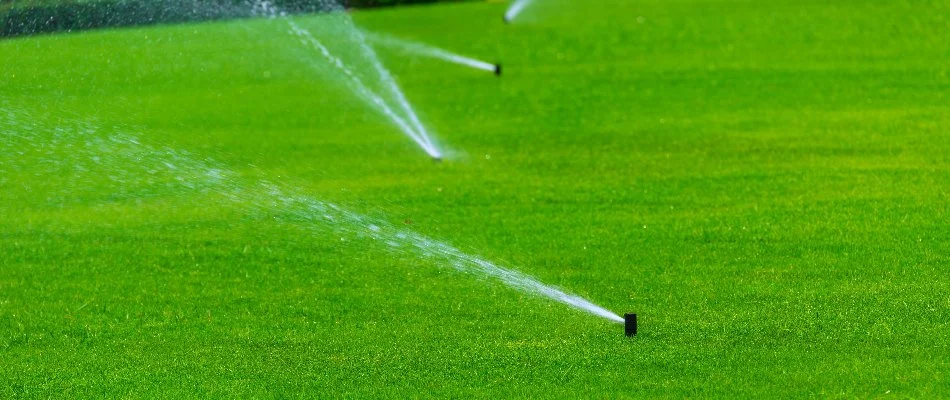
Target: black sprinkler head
[(630, 324), (437, 159), (497, 69)]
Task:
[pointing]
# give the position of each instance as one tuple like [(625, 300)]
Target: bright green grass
[(766, 183)]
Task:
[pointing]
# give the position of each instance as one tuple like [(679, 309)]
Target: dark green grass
[(766, 183)]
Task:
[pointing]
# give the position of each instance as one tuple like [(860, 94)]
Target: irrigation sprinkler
[(630, 324)]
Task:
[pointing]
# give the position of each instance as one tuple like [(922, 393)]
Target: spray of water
[(94, 167), (363, 91), (390, 83), (429, 51), (516, 8), (334, 18)]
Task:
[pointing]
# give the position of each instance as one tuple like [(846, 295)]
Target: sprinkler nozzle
[(497, 69), (437, 159), (630, 324), (507, 21)]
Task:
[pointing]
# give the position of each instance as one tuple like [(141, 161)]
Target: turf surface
[(765, 183)]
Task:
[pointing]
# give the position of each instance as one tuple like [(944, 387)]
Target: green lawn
[(767, 183)]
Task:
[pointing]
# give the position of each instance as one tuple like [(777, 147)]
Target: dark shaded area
[(20, 19)]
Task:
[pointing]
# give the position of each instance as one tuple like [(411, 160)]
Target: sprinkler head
[(630, 324), (436, 159), (497, 69), (507, 21)]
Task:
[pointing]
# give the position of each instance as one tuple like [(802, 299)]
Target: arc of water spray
[(141, 166), (394, 89), (417, 136), (515, 9), (430, 51), (306, 209), (413, 128)]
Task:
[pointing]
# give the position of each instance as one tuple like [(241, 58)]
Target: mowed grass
[(765, 183)]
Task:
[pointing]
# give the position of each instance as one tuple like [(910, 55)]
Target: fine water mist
[(81, 163)]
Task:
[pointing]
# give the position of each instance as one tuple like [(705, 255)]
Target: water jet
[(425, 50), (388, 100), (137, 170), (516, 9)]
